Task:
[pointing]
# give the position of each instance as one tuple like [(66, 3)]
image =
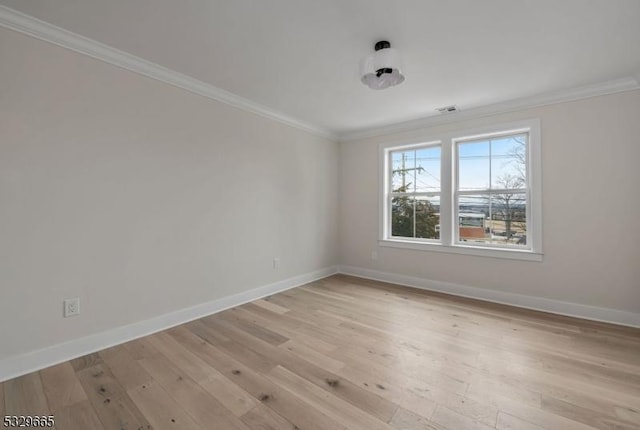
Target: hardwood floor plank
[(202, 406), (257, 361), (25, 396), (572, 386), (343, 412), (405, 392), (78, 416), (627, 414), (407, 420), (513, 317), (290, 406), (124, 368), (587, 416), (192, 365), (161, 369), (272, 307), (140, 348), (344, 352), (160, 409), (264, 418), (278, 324), (229, 395), (110, 401), (444, 304), (234, 398), (262, 333), (407, 367), (453, 421), (537, 416), (205, 409), (590, 396), (591, 373), (265, 357), (269, 394), (408, 397), (61, 386), (509, 422), (85, 361), (312, 356), (476, 410), (485, 388)]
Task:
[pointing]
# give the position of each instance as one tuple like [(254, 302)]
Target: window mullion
[(420, 194), (493, 191), (446, 196), (414, 217)]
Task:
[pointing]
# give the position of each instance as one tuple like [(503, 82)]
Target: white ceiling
[(300, 57)]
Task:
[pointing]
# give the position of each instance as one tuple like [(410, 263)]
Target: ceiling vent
[(448, 109)]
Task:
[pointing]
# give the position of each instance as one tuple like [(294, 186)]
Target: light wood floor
[(345, 353)]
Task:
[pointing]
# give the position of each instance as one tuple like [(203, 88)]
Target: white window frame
[(389, 194), (449, 242)]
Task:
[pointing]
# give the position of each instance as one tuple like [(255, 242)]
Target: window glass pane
[(508, 162), (474, 166), (428, 217), (508, 223), (498, 219), (403, 167), (427, 173), (402, 215), (473, 213)]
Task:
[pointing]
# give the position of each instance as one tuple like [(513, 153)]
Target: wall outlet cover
[(71, 307)]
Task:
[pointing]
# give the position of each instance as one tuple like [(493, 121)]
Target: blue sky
[(482, 164)]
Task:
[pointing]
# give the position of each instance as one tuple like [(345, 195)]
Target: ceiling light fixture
[(381, 69)]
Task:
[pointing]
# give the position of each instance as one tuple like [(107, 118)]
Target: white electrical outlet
[(71, 307), (276, 263), (374, 255)]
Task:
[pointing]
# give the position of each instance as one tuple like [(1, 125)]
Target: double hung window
[(473, 192)]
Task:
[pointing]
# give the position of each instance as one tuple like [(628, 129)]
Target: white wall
[(141, 198), (591, 209)]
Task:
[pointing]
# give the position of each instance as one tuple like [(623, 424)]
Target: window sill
[(511, 254)]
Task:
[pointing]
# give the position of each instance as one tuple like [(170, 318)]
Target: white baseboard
[(22, 364), (594, 313)]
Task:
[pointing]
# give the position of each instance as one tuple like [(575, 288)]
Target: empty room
[(320, 215)]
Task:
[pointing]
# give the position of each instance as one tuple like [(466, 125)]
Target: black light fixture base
[(383, 44), (381, 72)]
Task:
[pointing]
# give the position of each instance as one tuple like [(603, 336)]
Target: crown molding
[(567, 95), (26, 24)]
